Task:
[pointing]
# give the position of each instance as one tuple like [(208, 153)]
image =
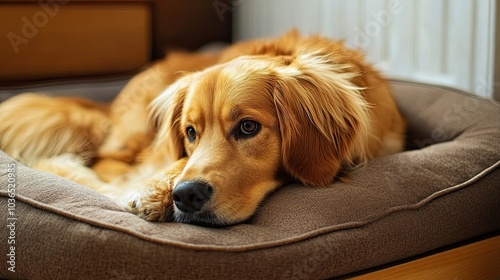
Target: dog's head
[(253, 123)]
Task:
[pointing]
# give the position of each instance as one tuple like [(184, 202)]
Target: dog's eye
[(248, 128), (191, 134)]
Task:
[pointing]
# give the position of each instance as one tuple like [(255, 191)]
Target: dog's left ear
[(166, 112), (322, 117)]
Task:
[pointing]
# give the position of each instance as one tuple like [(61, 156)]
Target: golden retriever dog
[(203, 138)]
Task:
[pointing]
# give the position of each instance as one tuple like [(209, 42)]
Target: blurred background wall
[(441, 42)]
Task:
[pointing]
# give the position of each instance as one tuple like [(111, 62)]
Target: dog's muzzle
[(194, 205), (190, 196)]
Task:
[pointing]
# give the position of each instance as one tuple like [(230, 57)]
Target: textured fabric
[(444, 189)]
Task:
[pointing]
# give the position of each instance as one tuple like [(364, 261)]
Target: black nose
[(189, 196)]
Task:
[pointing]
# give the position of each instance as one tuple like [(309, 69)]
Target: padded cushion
[(444, 189)]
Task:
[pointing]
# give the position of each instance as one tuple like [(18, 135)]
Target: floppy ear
[(323, 118), (166, 112)]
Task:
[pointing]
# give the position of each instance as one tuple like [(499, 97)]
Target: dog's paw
[(153, 202)]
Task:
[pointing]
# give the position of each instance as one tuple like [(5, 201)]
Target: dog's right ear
[(165, 112)]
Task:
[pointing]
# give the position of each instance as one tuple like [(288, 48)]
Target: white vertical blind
[(435, 41)]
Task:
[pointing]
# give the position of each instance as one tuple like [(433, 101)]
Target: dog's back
[(35, 127)]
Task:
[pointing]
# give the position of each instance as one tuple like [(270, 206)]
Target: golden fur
[(236, 124)]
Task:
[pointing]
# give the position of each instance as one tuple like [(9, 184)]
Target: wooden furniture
[(49, 40), (477, 260), (73, 39)]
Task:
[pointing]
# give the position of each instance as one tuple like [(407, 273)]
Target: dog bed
[(444, 189)]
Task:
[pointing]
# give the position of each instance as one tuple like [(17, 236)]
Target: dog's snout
[(190, 196)]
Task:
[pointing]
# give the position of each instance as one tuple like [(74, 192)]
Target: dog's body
[(208, 146)]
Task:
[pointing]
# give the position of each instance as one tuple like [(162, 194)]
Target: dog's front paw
[(153, 202)]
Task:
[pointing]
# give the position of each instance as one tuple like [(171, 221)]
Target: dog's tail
[(37, 127)]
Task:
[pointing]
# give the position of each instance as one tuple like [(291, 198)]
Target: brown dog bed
[(445, 188)]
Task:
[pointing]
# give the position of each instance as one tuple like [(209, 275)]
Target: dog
[(204, 138)]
